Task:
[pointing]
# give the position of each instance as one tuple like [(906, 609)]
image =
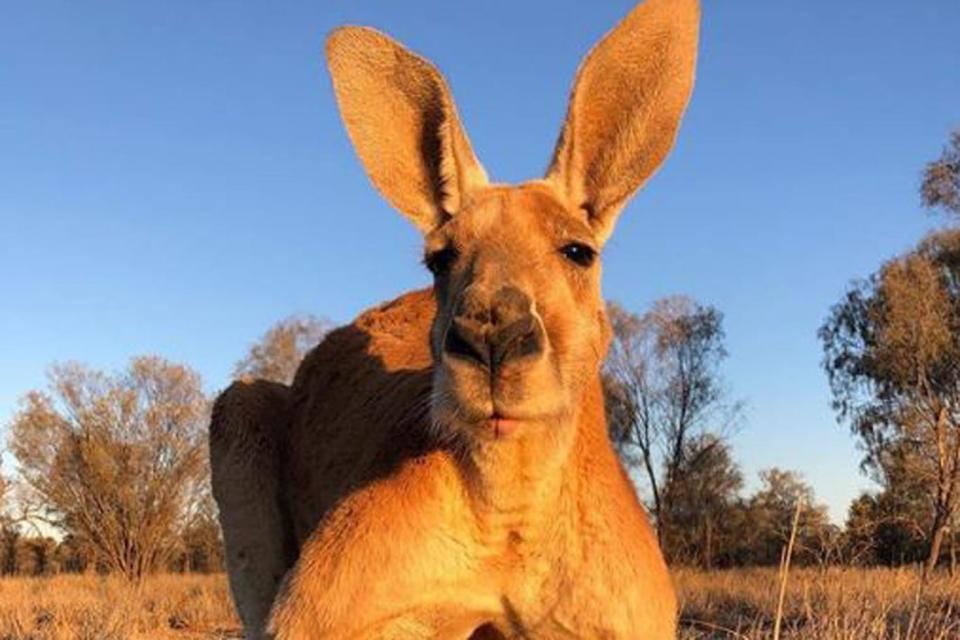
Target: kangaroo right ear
[(627, 101), (402, 121)]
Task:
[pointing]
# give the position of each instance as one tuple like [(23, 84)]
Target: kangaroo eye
[(579, 253), (440, 262)]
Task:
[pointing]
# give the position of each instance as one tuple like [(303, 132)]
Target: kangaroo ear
[(402, 121), (628, 97)]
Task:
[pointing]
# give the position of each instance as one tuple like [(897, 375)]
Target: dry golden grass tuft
[(834, 604), (837, 604), (89, 607)]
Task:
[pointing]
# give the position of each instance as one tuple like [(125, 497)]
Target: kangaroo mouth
[(501, 426), (468, 399), (484, 422)]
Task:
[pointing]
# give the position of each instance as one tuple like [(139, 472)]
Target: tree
[(771, 514), (892, 355), (9, 550), (278, 353), (201, 548), (664, 391), (41, 551), (3, 492), (116, 461), (940, 188), (886, 528), (73, 555), (704, 495)]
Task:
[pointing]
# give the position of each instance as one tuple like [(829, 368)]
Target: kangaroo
[(441, 468)]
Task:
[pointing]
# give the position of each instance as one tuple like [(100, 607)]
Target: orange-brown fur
[(418, 494), (525, 557)]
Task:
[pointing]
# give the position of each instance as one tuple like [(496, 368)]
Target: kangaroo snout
[(492, 333)]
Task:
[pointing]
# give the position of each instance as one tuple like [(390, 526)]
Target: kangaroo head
[(520, 327)]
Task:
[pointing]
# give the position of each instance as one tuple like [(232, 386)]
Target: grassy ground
[(839, 604), (106, 608)]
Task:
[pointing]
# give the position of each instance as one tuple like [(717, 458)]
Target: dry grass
[(837, 604), (107, 608)]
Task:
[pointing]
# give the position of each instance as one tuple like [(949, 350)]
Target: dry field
[(106, 608), (840, 604), (836, 604)]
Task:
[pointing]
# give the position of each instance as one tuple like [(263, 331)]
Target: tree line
[(111, 469), (112, 473), (892, 357)]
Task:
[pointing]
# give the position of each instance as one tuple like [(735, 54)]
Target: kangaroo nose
[(493, 335), (467, 341)]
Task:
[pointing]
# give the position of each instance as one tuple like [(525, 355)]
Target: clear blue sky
[(174, 178)]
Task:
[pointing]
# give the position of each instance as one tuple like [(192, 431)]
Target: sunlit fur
[(512, 236), (397, 490)]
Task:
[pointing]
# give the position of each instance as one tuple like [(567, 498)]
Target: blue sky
[(174, 178)]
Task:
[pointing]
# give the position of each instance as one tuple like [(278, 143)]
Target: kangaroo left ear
[(400, 115), (627, 101)]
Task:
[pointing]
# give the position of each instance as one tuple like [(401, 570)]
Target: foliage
[(201, 544), (887, 528), (892, 356), (704, 498), (771, 511), (278, 353), (118, 461), (666, 404), (940, 188)]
